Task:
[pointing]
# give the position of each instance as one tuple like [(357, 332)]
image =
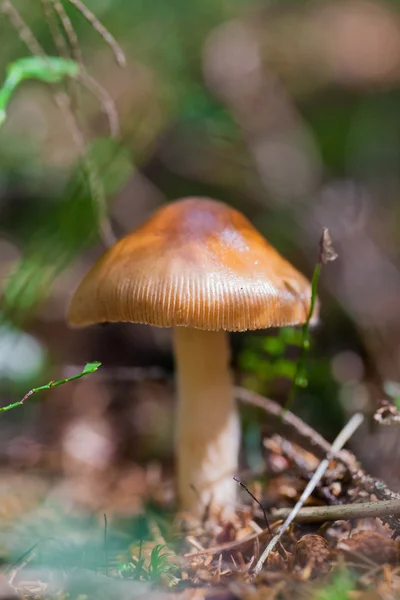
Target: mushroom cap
[(195, 263)]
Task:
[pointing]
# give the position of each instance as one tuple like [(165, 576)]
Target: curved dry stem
[(106, 102), (69, 31), (52, 9), (63, 101), (55, 29), (99, 27), (21, 28)]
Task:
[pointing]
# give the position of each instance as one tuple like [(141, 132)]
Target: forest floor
[(115, 535)]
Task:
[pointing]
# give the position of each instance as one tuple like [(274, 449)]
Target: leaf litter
[(52, 546)]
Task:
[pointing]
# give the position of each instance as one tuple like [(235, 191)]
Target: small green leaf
[(91, 367)]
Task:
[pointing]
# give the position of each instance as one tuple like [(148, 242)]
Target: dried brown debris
[(313, 552), (387, 413), (371, 546)]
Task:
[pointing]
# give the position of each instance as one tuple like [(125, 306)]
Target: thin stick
[(106, 102), (294, 429), (341, 512), (255, 500), (99, 27), (69, 31), (21, 27), (253, 537), (337, 445), (57, 35), (286, 423)]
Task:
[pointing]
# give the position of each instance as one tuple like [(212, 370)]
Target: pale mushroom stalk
[(208, 431)]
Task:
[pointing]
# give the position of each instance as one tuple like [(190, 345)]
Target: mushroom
[(199, 266)]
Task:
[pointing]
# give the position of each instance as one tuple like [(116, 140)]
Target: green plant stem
[(305, 341), (89, 368)]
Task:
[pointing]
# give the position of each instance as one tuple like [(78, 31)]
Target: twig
[(379, 489), (106, 102), (341, 512), (52, 8), (306, 465), (255, 500), (228, 546), (337, 445), (69, 30), (55, 30), (299, 432), (99, 27), (286, 424), (21, 27)]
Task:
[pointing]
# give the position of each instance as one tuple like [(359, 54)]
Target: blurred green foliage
[(158, 566), (266, 359), (339, 588), (265, 356), (66, 228)]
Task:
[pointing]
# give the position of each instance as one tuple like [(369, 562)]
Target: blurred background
[(288, 111)]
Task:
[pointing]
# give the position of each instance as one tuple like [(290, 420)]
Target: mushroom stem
[(208, 433)]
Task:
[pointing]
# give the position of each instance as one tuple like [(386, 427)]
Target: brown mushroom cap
[(195, 263)]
